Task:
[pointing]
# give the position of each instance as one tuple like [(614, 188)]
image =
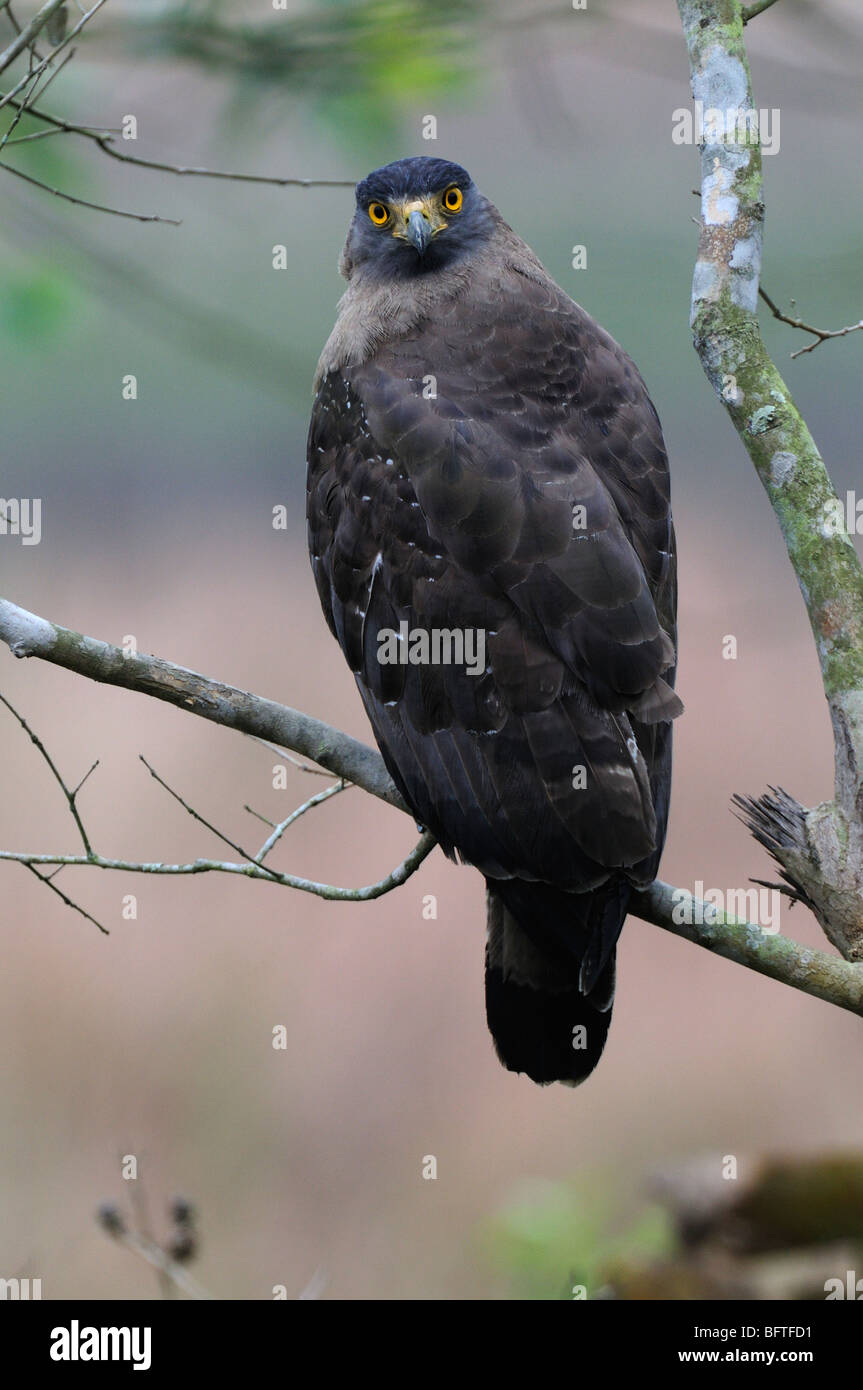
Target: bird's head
[(415, 216)]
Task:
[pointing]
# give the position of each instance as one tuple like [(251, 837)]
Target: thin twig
[(104, 138), (154, 1255), (820, 334), (69, 795), (84, 203), (332, 892), (23, 139), (46, 879), (279, 830), (196, 815), (22, 107), (285, 756), (106, 144)]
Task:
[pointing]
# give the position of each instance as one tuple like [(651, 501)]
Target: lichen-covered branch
[(824, 859), (781, 959), (815, 972)]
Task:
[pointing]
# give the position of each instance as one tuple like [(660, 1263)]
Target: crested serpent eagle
[(491, 538)]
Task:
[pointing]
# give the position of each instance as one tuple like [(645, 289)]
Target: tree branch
[(830, 978), (815, 973), (249, 869), (756, 8), (28, 635), (820, 850), (40, 67), (105, 141), (29, 33)]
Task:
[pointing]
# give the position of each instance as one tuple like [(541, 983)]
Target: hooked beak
[(418, 231)]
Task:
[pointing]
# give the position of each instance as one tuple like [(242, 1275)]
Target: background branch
[(29, 33)]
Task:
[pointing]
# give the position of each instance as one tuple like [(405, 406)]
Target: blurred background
[(157, 523)]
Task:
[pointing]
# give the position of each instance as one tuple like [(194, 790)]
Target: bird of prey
[(491, 538)]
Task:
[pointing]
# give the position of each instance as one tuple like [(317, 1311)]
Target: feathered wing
[(502, 470)]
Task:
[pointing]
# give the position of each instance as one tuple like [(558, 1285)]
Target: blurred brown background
[(157, 522)]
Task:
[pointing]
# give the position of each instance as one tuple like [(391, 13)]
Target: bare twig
[(105, 140), (84, 203), (106, 144), (196, 815), (76, 907), (262, 872), (279, 830), (69, 795), (284, 756), (25, 139), (22, 108), (819, 334), (154, 1255)]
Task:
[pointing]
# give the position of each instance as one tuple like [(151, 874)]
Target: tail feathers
[(550, 970)]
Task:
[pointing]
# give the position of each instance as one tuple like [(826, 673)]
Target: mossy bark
[(820, 851)]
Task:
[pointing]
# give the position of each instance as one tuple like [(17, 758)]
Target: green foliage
[(357, 63), (33, 307), (550, 1238)]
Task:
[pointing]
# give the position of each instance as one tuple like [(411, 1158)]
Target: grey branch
[(84, 203), (330, 891), (104, 139), (29, 33), (815, 972), (27, 635), (40, 67)]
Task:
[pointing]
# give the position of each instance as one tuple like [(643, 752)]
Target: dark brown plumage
[(466, 411)]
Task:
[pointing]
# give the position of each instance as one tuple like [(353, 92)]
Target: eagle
[(491, 538)]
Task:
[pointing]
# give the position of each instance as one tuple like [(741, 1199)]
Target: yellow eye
[(453, 199), (378, 213)]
